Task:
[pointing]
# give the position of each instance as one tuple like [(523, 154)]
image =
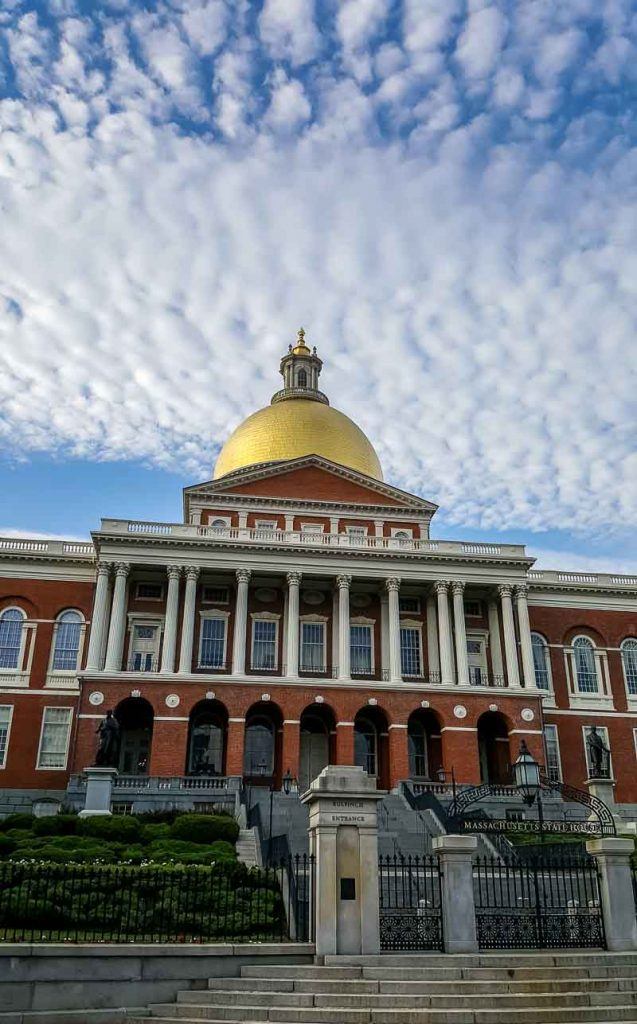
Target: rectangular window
[(215, 595), (264, 633), (477, 663), (312, 528), (149, 591), (606, 760), (67, 645), (213, 643), (360, 650), (312, 647), (553, 763), (54, 739), (410, 661), (473, 609), (356, 534), (409, 604), (6, 713), (143, 656)]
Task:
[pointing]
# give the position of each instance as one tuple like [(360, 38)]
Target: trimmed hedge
[(122, 828), (205, 828), (56, 825)]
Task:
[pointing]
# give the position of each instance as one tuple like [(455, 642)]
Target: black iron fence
[(45, 902), (410, 903), (543, 903)]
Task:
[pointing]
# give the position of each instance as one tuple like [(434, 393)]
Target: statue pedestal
[(99, 786), (603, 789)]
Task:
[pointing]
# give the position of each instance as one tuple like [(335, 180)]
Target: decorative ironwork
[(410, 903), (538, 905)]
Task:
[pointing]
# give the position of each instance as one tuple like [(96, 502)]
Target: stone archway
[(317, 742), (135, 718), (493, 748)]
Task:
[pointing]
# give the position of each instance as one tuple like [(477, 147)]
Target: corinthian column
[(462, 661), (433, 648), (118, 619), (240, 623), (444, 633), (100, 618), (343, 584), (294, 581), (393, 586), (508, 628), (188, 622), (170, 623), (524, 626)]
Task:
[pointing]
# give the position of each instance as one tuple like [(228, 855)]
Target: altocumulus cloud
[(442, 192)]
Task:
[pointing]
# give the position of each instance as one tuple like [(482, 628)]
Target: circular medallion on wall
[(360, 600), (265, 696), (265, 594), (210, 695), (493, 707), (372, 701), (527, 714), (460, 711), (312, 597), (96, 698), (136, 693), (424, 703), (172, 700), (319, 700)]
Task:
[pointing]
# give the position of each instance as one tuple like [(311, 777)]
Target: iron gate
[(540, 904), (410, 903)]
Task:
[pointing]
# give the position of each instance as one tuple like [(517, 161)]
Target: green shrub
[(152, 832), (178, 851), (205, 828), (7, 845), (20, 835), (223, 852), (135, 854), (56, 825), (124, 828), (159, 817), (24, 821)]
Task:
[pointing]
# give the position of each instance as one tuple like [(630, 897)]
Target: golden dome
[(295, 427)]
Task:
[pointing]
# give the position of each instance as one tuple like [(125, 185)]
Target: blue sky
[(442, 192)]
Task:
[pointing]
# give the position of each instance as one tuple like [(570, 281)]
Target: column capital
[(243, 575), (294, 578), (505, 590), (457, 586), (343, 582), (392, 583), (191, 572), (173, 571), (522, 591), (122, 569), (441, 586), (104, 568)]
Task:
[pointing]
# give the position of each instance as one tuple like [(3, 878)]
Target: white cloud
[(481, 41), (288, 29), (289, 106)]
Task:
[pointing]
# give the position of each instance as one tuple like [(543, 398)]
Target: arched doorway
[(493, 748), (424, 744), (318, 731), (262, 748), (135, 717), (207, 731), (371, 743)]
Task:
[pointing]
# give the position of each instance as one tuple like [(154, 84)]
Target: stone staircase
[(247, 847), (487, 988)]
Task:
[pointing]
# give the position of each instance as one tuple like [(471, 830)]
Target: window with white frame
[(629, 663), (312, 647), (360, 649), (312, 528), (585, 665), (54, 737), (219, 524), (146, 591), (11, 637), (212, 645), (409, 604), (473, 609), (267, 525), (215, 595), (553, 760), (356, 534), (264, 644), (410, 651), (66, 641), (477, 661), (541, 661), (602, 732), (144, 647), (6, 714)]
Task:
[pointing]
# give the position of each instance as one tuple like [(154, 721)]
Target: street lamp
[(526, 772), (287, 782)]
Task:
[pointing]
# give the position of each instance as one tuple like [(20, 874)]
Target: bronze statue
[(108, 748), (599, 754)]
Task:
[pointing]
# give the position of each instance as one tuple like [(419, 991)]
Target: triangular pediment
[(310, 479)]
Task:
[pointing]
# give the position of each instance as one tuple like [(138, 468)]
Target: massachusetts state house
[(304, 612)]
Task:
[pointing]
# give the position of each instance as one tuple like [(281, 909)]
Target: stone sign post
[(613, 855), (343, 828), (99, 785)]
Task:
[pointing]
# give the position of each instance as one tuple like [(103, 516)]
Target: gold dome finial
[(300, 348)]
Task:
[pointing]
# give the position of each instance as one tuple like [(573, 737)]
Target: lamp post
[(526, 772)]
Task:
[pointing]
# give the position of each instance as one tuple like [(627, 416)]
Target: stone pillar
[(335, 644), (99, 786), (344, 742), (455, 854), (188, 622), (292, 652), (459, 632), (384, 634), (616, 889), (100, 618), (444, 631), (497, 668), (433, 650), (170, 624), (343, 583), (343, 804), (510, 645), (240, 623), (524, 627), (392, 586), (118, 620)]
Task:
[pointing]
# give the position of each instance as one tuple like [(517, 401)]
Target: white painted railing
[(581, 578), (47, 547)]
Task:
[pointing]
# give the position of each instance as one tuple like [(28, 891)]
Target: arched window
[(585, 665), (541, 662), (219, 524), (259, 746), (206, 739), (629, 662), (301, 379), (66, 645), (11, 626), (366, 744)]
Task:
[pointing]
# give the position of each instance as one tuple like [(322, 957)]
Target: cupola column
[(292, 654), (508, 628), (444, 633), (460, 634), (240, 623), (188, 623), (118, 619), (393, 586), (433, 648), (524, 625), (170, 624), (100, 618), (343, 583)]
